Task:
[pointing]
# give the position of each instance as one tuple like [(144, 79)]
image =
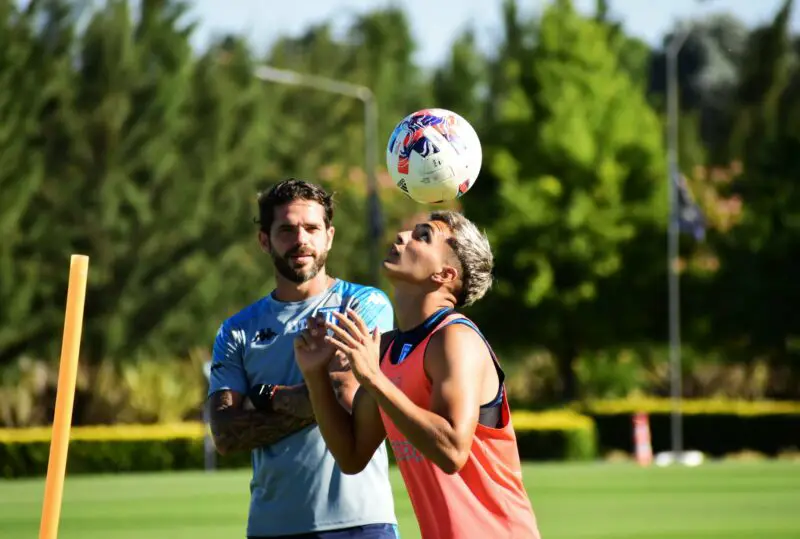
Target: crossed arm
[(235, 426), (443, 434)]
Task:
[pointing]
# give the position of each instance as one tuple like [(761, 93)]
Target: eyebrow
[(298, 225)]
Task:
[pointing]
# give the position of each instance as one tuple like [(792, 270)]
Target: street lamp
[(367, 97), (674, 47)]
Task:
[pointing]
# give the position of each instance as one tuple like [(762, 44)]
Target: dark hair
[(288, 191)]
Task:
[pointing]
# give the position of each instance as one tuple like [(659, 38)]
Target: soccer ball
[(434, 155)]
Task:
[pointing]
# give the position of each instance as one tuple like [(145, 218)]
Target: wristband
[(261, 396)]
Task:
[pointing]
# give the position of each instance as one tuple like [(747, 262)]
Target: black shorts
[(368, 531)]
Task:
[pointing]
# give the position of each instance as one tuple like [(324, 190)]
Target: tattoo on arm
[(293, 400), (235, 429)]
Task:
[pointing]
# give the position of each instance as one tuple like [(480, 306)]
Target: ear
[(448, 274), (263, 241), (331, 232)]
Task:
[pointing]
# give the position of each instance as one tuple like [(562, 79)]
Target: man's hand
[(353, 339), (311, 351)]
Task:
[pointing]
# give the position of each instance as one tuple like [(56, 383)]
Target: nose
[(402, 237), (301, 236)]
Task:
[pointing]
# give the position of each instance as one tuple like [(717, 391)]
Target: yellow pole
[(65, 396)]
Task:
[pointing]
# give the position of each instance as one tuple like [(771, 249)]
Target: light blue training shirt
[(297, 487)]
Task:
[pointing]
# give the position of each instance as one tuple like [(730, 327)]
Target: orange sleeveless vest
[(486, 499)]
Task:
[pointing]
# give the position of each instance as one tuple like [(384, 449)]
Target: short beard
[(284, 267)]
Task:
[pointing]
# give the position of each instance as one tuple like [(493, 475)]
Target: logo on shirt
[(404, 351), (376, 299), (405, 452), (264, 337), (334, 304), (298, 325)]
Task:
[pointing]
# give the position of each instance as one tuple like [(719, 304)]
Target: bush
[(715, 427), (555, 435), (144, 390), (127, 448), (103, 449)]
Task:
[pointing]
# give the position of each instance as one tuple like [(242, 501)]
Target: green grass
[(598, 501)]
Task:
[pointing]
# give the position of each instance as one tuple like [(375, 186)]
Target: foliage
[(572, 170), (121, 141), (144, 390), (715, 434), (758, 258), (179, 446), (716, 427), (689, 407)]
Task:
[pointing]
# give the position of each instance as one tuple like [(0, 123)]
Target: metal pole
[(374, 212), (676, 390), (375, 229)]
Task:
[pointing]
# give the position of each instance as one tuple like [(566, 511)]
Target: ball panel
[(434, 155)]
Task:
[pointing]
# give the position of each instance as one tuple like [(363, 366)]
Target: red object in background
[(643, 447)]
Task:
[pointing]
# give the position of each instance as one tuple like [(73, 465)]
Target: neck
[(289, 291), (413, 307)]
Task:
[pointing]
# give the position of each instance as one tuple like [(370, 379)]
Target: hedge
[(716, 427), (558, 435), (555, 435)]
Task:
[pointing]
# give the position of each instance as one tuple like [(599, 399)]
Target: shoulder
[(455, 342), (365, 296)]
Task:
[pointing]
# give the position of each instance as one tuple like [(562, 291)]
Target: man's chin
[(298, 277), (303, 277), (299, 272), (390, 268)]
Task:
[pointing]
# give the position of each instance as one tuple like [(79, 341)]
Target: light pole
[(367, 97), (676, 42)]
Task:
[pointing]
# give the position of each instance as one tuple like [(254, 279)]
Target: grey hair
[(473, 251)]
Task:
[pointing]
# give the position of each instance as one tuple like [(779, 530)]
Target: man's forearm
[(429, 433), (335, 423), (293, 400), (244, 430), (237, 429)]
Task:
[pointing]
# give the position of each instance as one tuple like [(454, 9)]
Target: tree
[(573, 166), (460, 83), (708, 71), (146, 161), (756, 287), (36, 76), (323, 134)]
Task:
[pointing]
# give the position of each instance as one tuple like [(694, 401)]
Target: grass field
[(603, 501)]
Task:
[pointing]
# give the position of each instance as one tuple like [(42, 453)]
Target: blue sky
[(437, 22)]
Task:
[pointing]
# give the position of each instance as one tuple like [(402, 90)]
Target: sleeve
[(227, 367), (374, 307)]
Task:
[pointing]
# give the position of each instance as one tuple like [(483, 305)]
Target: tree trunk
[(569, 383), (566, 354)]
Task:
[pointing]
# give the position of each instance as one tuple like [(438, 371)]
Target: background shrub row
[(581, 432)]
